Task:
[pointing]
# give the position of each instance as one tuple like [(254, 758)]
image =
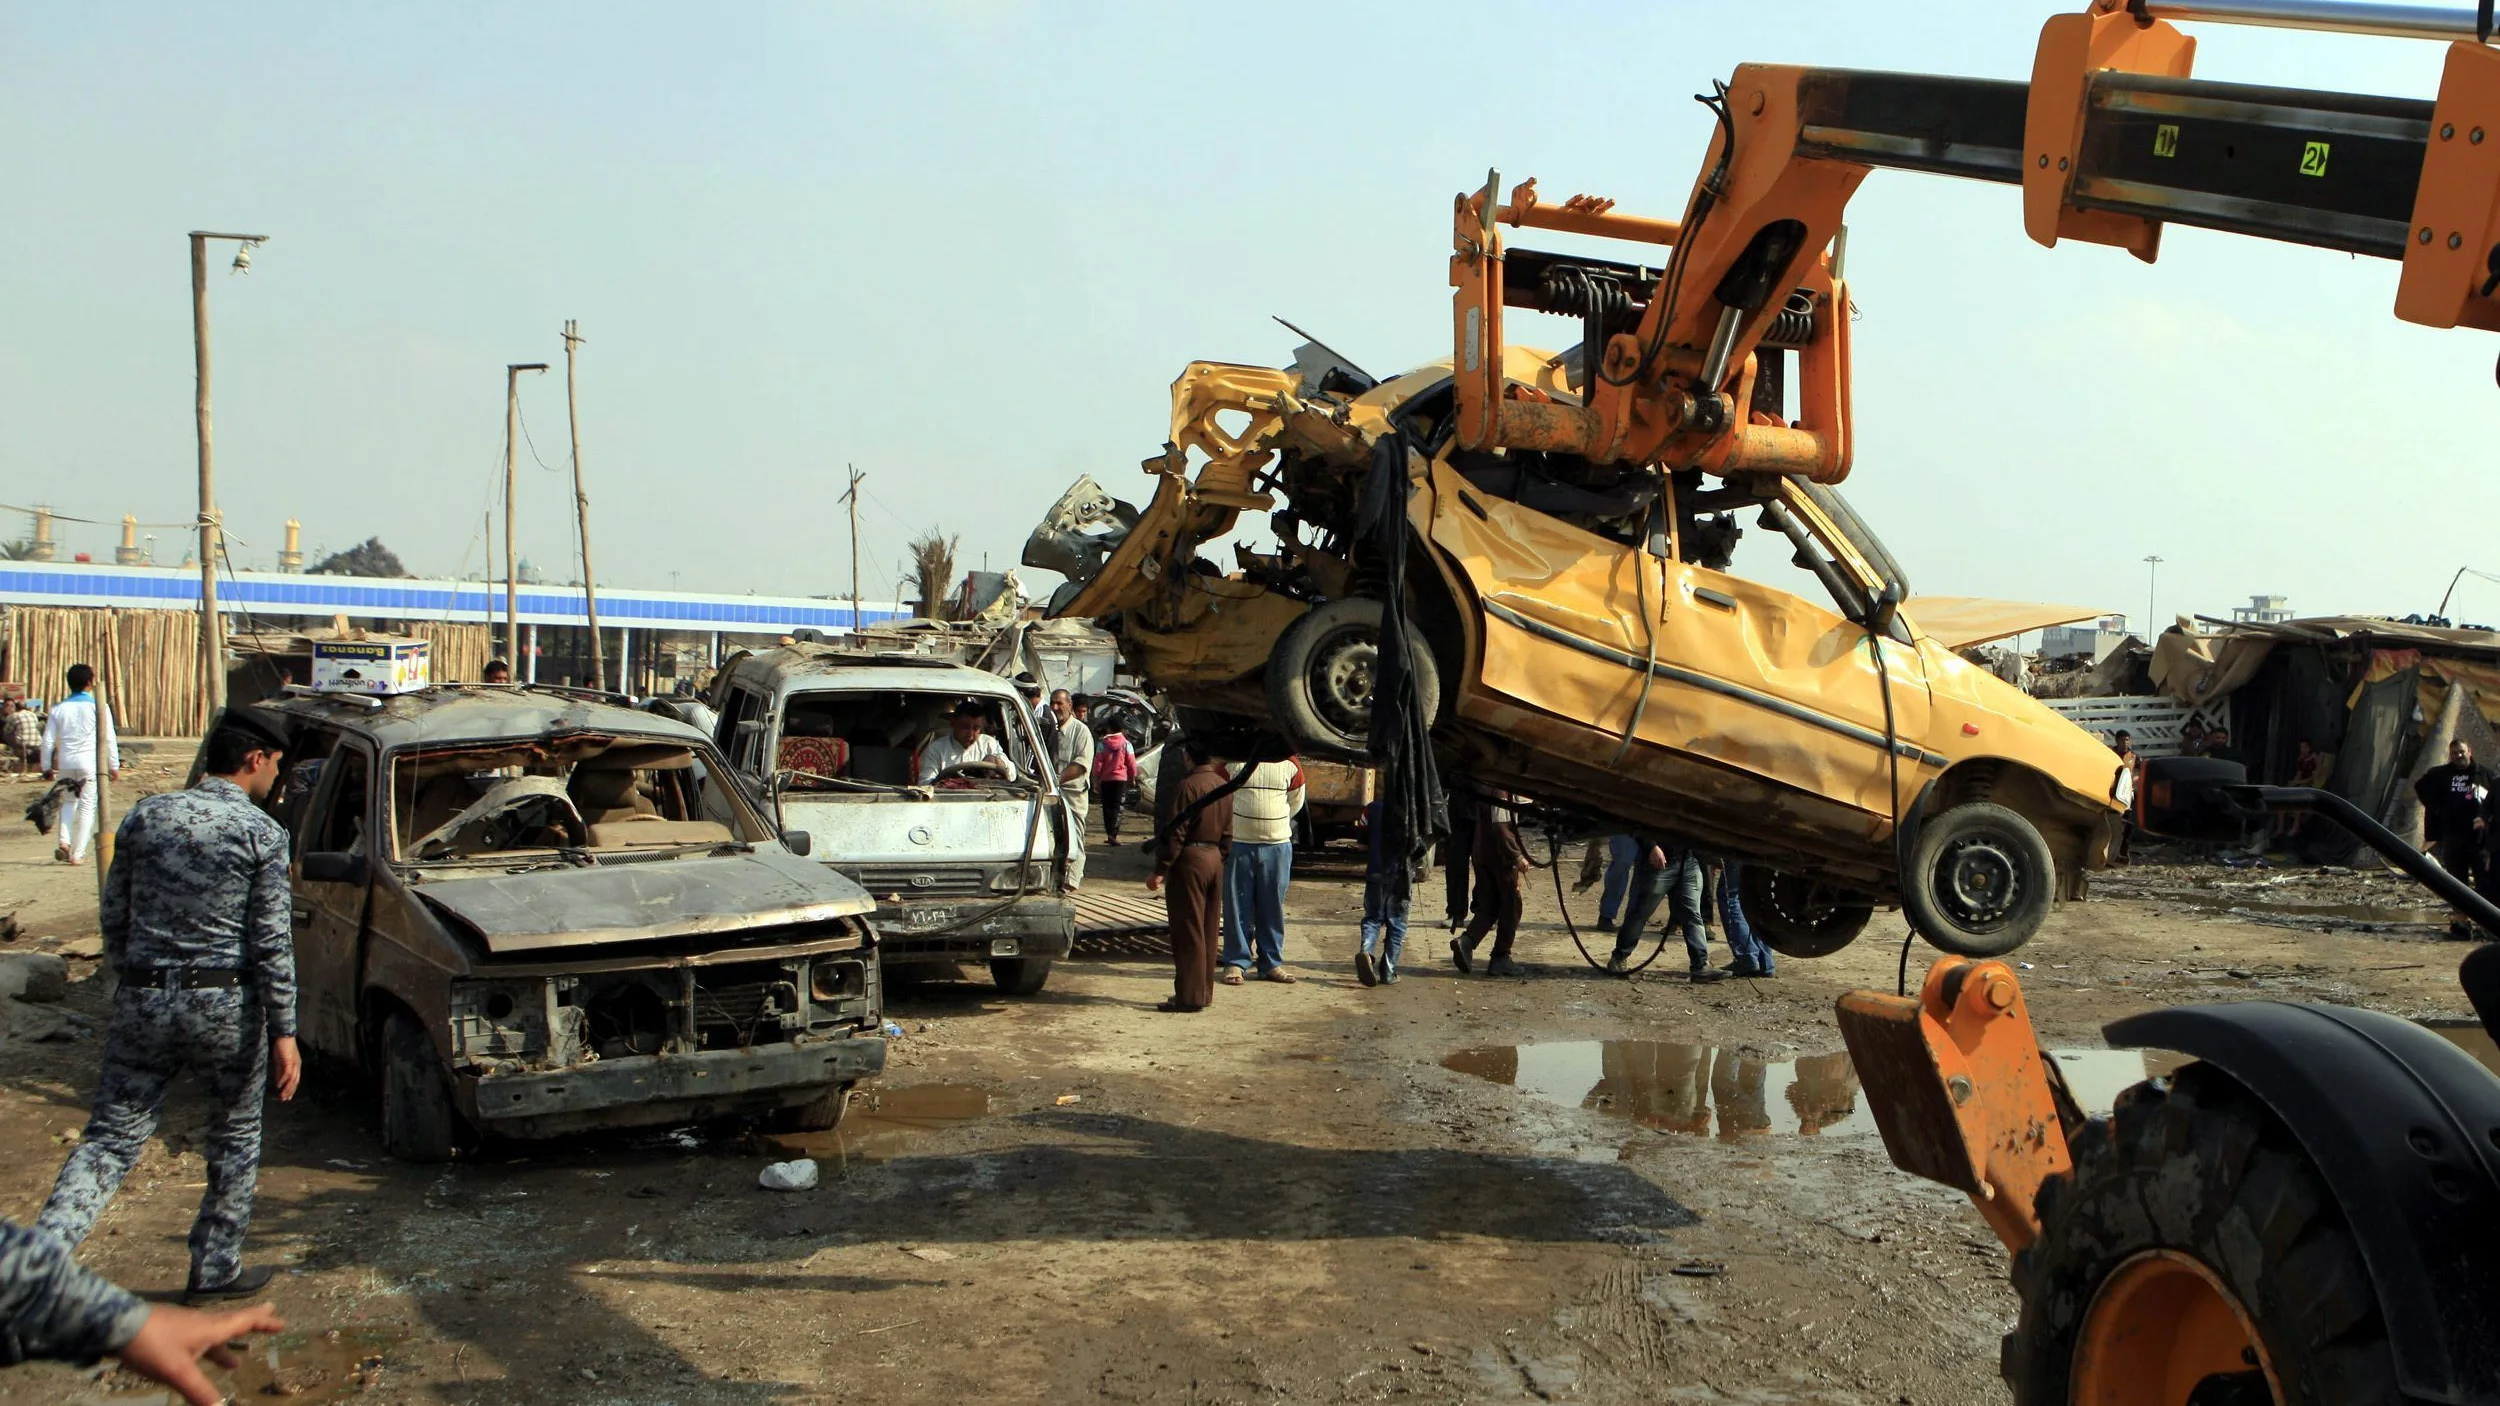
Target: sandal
[(1279, 975), (1231, 977)]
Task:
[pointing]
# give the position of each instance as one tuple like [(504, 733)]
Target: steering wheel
[(988, 771)]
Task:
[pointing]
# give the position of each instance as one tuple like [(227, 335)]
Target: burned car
[(1580, 634), (530, 913)]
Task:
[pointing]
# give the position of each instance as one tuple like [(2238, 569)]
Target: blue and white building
[(639, 623)]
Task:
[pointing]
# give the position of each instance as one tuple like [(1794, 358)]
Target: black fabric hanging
[(1414, 811)]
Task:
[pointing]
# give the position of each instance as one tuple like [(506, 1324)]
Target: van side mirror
[(330, 867), (798, 842)]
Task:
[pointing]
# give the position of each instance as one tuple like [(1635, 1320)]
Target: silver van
[(963, 868)]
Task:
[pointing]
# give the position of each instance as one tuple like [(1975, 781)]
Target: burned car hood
[(632, 902)]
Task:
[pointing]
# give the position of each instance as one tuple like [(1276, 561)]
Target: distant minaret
[(44, 547), (291, 560), (127, 554)]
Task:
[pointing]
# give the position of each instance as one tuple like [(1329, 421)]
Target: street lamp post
[(2152, 577), (212, 624), (511, 571)]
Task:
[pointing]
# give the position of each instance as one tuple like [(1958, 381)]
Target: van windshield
[(891, 739), (600, 795)]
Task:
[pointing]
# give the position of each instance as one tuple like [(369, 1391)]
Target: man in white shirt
[(965, 748), (69, 753), (1072, 751), (1258, 870)]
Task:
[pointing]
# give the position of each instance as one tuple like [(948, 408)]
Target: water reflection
[(1706, 1091)]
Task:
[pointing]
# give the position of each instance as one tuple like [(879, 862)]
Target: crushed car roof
[(814, 666), (474, 712)]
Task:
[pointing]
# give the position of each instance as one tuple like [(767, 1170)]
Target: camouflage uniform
[(198, 884), (49, 1307)]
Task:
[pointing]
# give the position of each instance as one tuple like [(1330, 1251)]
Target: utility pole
[(212, 624), (512, 572), (2152, 579), (852, 498), (581, 505)]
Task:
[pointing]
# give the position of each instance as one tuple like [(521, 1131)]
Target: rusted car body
[(1583, 644), (531, 913)]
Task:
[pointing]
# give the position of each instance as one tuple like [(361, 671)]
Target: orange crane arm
[(1683, 365)]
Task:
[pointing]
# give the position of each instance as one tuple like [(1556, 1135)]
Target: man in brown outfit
[(1189, 853), (1500, 862)]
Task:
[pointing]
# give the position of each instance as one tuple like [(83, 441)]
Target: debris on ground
[(797, 1174), (33, 976)]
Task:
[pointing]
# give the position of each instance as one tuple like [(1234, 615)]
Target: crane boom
[(1683, 365)]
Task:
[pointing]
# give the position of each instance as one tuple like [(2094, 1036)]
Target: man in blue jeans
[(1753, 957), (1666, 874), (1623, 856), (1258, 871), (1384, 912)]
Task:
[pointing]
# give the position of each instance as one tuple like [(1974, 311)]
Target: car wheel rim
[(2159, 1327), (1806, 904), (1341, 682), (1981, 882)]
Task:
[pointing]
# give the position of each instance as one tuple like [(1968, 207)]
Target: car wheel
[(1980, 882), (1020, 976), (820, 1114), (1800, 917), (419, 1123), (1320, 678), (2195, 1251)]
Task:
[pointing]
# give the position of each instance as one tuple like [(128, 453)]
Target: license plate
[(1004, 947), (922, 919)]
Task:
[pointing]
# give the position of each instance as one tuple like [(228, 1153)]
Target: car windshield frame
[(749, 826), (1033, 767)]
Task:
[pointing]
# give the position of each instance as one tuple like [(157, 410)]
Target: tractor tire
[(2194, 1252), (1799, 917), (1319, 679), (419, 1121), (1980, 882), (1019, 976), (817, 1115)]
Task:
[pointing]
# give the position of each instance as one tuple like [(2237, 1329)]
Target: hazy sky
[(967, 246)]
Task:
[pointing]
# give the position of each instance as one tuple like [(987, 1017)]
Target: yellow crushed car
[(1578, 637)]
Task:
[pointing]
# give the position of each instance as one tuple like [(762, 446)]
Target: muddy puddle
[(2364, 916), (314, 1367), (2470, 1037), (885, 1123), (1710, 1092)]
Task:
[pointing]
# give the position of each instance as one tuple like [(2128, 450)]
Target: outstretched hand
[(171, 1342)]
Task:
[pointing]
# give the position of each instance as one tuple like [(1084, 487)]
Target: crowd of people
[(1223, 862)]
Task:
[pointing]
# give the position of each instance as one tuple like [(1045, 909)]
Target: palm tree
[(933, 559)]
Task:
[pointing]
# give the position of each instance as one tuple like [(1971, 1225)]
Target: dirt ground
[(1289, 1197)]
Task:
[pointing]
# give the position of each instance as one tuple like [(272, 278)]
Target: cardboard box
[(375, 664)]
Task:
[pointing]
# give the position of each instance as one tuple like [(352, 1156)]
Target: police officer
[(195, 918), (51, 1308)]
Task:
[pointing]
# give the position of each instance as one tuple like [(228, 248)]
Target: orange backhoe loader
[(2310, 1211)]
